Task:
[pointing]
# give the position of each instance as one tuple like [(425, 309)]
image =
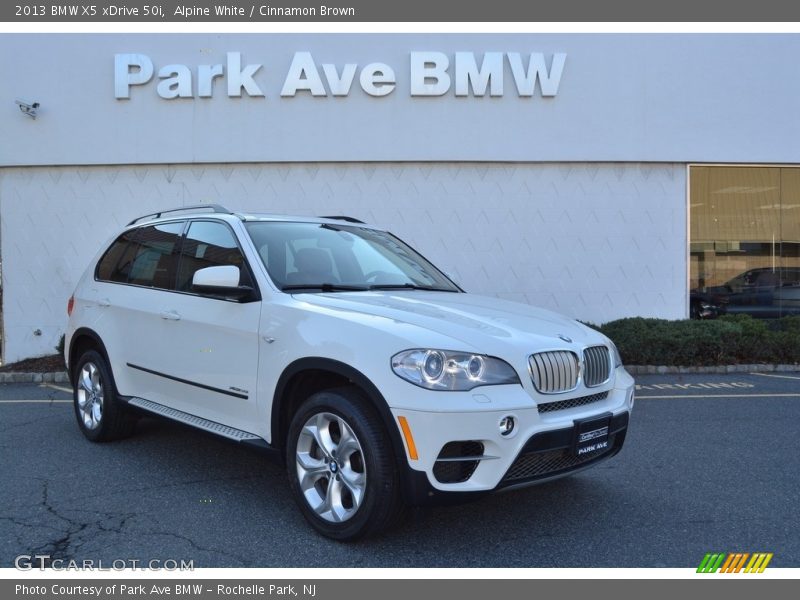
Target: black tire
[(380, 504), (112, 421)]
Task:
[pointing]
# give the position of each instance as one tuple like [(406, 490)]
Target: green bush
[(738, 339), (60, 346)]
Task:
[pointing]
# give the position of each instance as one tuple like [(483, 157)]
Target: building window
[(744, 241)]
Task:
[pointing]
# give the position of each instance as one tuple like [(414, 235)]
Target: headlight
[(454, 371), (615, 354)]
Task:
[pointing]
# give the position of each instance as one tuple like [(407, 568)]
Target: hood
[(478, 323)]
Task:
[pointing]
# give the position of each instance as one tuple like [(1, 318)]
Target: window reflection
[(744, 241)]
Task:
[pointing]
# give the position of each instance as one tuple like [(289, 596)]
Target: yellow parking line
[(778, 376), (35, 401), (721, 396)]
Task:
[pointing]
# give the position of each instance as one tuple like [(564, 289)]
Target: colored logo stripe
[(710, 563), (733, 562), (758, 563)]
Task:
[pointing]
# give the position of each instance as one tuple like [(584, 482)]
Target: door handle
[(170, 315), (104, 303)]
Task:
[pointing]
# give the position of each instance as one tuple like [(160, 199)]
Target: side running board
[(177, 415)]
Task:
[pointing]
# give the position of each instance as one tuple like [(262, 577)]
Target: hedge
[(731, 339)]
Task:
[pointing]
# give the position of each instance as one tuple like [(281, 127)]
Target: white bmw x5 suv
[(378, 381)]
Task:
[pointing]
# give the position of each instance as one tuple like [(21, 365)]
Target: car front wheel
[(341, 466)]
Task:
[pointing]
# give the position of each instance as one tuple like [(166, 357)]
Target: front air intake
[(546, 407), (457, 461)]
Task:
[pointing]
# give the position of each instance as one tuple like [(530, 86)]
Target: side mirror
[(221, 281)]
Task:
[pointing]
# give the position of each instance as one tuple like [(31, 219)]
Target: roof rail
[(216, 208), (344, 218)]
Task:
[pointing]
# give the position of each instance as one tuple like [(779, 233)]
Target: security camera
[(27, 109)]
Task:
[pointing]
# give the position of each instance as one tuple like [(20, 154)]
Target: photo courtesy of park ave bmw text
[(601, 176)]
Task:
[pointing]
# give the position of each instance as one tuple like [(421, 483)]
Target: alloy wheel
[(331, 468), (90, 396)]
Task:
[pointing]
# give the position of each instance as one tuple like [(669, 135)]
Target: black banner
[(336, 11)]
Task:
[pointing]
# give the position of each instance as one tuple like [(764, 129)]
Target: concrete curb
[(53, 377), (717, 369)]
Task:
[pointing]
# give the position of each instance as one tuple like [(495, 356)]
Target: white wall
[(596, 241), (627, 98)]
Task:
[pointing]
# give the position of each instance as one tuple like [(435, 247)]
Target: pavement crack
[(213, 551), (63, 546), (75, 531), (27, 525)]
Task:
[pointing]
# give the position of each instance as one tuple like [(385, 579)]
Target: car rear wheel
[(341, 466), (101, 417)]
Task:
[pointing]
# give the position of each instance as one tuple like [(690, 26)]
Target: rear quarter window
[(122, 246)]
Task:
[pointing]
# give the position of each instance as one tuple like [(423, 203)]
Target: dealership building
[(601, 176)]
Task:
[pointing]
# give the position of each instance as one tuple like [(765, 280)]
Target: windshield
[(323, 257)]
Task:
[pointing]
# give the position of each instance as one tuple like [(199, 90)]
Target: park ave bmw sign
[(430, 74)]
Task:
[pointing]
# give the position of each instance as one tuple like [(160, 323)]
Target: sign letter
[(124, 78), (467, 72), (427, 66), (377, 79), (239, 78), (340, 86), (526, 80), (303, 75), (176, 82)]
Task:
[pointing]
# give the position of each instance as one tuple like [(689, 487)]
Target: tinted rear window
[(145, 256), (107, 267)]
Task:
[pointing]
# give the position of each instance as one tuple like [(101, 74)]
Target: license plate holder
[(591, 435)]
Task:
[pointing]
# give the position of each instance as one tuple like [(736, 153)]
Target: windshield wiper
[(407, 286), (325, 287)]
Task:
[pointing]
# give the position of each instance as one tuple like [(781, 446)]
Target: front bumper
[(540, 448)]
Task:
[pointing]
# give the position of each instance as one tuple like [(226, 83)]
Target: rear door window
[(156, 261), (145, 256)]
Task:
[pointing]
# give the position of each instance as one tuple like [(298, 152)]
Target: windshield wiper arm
[(407, 286), (325, 287)]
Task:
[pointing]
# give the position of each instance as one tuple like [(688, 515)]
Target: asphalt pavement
[(709, 465)]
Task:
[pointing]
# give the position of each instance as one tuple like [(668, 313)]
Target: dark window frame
[(136, 235), (108, 251), (245, 263), (256, 296)]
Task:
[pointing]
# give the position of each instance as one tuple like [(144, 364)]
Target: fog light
[(506, 426)]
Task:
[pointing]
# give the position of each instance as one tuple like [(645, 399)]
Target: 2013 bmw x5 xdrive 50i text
[(381, 382)]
